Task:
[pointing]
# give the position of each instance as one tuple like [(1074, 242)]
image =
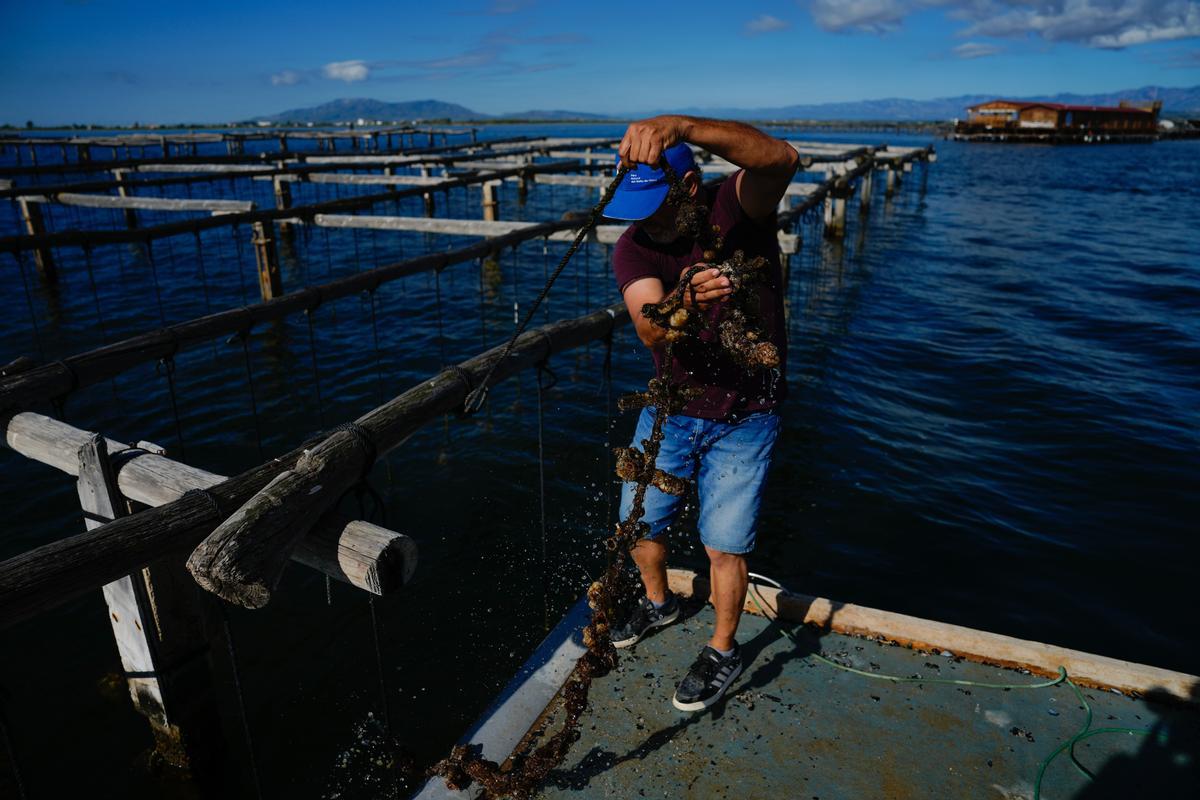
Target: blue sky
[(119, 62)]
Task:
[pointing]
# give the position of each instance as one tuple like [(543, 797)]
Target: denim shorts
[(729, 463)]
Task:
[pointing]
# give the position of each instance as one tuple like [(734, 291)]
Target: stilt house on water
[(1025, 121)]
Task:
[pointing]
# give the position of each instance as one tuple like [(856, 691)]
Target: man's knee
[(719, 558)]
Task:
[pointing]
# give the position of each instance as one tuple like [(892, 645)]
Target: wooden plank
[(980, 646), (145, 203), (243, 559), (359, 553), (384, 180), (455, 227), (231, 168)]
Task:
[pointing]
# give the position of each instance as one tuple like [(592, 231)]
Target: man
[(724, 438)]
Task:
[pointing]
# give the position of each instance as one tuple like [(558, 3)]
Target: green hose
[(1068, 746)]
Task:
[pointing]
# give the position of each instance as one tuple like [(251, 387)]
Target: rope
[(241, 701), (476, 399), (541, 455), (241, 269), (37, 337), (203, 274), (375, 340), (437, 288), (87, 262), (12, 753), (167, 362), (244, 336), (214, 505), (362, 438), (1084, 732), (148, 251)]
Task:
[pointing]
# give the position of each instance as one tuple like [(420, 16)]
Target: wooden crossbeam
[(359, 553), (146, 203)]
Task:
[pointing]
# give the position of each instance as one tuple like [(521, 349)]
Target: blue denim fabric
[(729, 462)]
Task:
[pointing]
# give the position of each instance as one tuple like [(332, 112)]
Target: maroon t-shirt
[(729, 390)]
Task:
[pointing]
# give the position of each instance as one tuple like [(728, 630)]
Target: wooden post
[(166, 148), (161, 625), (522, 189), (491, 205), (269, 282), (864, 196), (427, 196), (892, 180), (131, 220), (83, 153), (283, 199), (835, 211), (35, 225)]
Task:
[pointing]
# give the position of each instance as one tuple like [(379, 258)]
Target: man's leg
[(658, 608), (728, 574), (651, 558)]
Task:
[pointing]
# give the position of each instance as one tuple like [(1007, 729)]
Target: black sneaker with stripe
[(708, 679), (644, 618)]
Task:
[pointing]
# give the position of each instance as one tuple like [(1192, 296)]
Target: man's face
[(660, 226)]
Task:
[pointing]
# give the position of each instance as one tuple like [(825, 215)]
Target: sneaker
[(708, 679), (645, 618)]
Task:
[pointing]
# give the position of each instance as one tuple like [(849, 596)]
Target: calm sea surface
[(994, 421)]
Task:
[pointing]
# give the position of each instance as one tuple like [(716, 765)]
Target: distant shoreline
[(863, 125)]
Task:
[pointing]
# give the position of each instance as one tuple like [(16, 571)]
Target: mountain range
[(1176, 101)]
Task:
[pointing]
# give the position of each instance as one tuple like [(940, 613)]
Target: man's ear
[(691, 179)]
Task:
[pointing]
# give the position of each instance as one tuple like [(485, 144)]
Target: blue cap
[(642, 190)]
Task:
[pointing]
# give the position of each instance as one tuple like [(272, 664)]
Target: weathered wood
[(359, 553), (491, 203), (243, 559), (35, 225), (145, 203), (85, 369), (166, 167), (270, 283), (161, 629), (131, 218), (97, 238), (980, 646)]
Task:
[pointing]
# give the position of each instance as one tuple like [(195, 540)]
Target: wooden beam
[(145, 203), (975, 645), (243, 559), (35, 225), (73, 372), (359, 553)]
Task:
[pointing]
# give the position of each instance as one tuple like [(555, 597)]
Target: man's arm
[(769, 163), (710, 288)]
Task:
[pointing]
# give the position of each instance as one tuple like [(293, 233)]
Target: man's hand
[(710, 287), (645, 140)]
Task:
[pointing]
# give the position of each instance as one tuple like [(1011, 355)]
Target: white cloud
[(870, 16), (975, 50), (1094, 23), (765, 23), (348, 71), (289, 77)]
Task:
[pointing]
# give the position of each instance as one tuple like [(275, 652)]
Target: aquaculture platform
[(793, 726)]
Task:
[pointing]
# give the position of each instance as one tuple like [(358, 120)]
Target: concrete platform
[(795, 727)]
